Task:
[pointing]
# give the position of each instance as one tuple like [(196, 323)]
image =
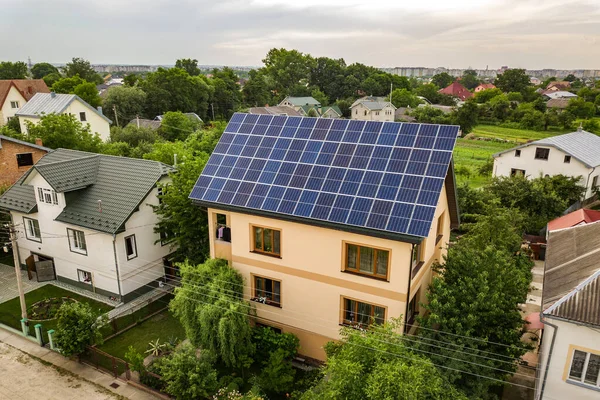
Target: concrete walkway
[(84, 371)]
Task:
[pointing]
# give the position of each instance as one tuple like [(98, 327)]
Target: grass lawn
[(474, 154), (516, 135), (10, 311)]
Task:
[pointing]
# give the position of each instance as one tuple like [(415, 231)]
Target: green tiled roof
[(120, 183)]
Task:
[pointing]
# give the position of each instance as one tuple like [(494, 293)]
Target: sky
[(533, 34)]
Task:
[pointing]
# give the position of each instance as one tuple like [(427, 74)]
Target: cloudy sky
[(452, 33)]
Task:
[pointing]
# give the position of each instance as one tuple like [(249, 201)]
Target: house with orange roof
[(456, 89), (14, 93), (582, 216), (484, 86)]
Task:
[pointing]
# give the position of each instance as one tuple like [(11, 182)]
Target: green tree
[(287, 68), (515, 96), (40, 70), (581, 108), (132, 135), (64, 131), (532, 119), (128, 101), (588, 94), (13, 70), (500, 106), (513, 80), (328, 75), (570, 78), (429, 91), (52, 78), (430, 115), (67, 84), (377, 364), (131, 79), (210, 305), (88, 93), (344, 106), (442, 80), (83, 68), (319, 96), (188, 65), (277, 374), (487, 94), (77, 327), (566, 119), (259, 91), (177, 126), (120, 149), (470, 79), (404, 98), (226, 98), (466, 116)]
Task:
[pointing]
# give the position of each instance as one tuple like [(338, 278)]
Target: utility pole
[(13, 238), (213, 110), (137, 118), (116, 116)]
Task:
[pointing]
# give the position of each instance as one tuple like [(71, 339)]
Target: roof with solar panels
[(376, 178)]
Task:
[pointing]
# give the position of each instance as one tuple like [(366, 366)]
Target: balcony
[(222, 242)]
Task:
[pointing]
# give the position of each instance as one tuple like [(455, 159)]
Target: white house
[(14, 93), (372, 108), (569, 366), (52, 103), (88, 220), (298, 102), (573, 154)]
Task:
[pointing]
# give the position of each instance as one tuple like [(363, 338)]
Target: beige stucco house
[(569, 366), (298, 102), (15, 93), (326, 241), (370, 108), (574, 154), (53, 103)]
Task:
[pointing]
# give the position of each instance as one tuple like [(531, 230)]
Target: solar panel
[(383, 176)]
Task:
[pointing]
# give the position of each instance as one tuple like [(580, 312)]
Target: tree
[(570, 78), (40, 70), (132, 135), (131, 79), (430, 115), (258, 91), (470, 79), (52, 78), (64, 131), (13, 70), (429, 91), (226, 98), (581, 108), (442, 80), (129, 102), (344, 106), (515, 96), (83, 68), (177, 126), (487, 94), (319, 96), (466, 116), (328, 75), (77, 327), (188, 65), (88, 93), (210, 305), (404, 98), (67, 84), (513, 80), (287, 68), (378, 364), (188, 376)]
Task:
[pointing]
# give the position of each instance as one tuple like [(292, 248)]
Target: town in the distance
[(304, 229)]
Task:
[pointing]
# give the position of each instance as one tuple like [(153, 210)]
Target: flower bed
[(46, 309)]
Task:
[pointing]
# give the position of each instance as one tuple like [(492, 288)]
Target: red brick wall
[(10, 172)]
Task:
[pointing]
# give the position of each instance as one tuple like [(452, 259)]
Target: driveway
[(8, 283)]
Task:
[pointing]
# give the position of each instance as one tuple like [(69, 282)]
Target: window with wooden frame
[(366, 260), (266, 241), (585, 368), (267, 291), (360, 315), (440, 228)]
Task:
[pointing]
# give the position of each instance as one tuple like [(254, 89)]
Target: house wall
[(10, 171), (569, 337), (312, 278), (555, 165), (7, 111), (358, 112)]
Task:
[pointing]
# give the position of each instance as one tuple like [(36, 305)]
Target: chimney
[(39, 142), (580, 127), (52, 94), (100, 110)]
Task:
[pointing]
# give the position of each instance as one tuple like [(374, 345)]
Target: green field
[(516, 135)]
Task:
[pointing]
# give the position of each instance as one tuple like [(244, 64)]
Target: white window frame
[(77, 243), (14, 104), (47, 196), (85, 277), (32, 229), (581, 381), (133, 245)]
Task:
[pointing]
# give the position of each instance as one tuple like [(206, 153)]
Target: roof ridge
[(67, 161), (573, 292)]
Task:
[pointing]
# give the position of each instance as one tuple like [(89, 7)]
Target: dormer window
[(47, 196)]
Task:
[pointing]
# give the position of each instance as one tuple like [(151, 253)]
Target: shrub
[(267, 341), (78, 326), (278, 373)]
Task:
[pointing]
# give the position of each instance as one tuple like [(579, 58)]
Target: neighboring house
[(559, 104), (322, 112), (578, 217), (192, 116), (330, 221), (54, 103), (17, 157), (558, 85), (275, 110), (484, 86), (145, 123), (535, 81), (15, 93), (569, 362), (456, 89), (88, 220), (297, 102), (371, 108), (558, 95), (574, 154)]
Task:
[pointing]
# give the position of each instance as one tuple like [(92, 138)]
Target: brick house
[(17, 157)]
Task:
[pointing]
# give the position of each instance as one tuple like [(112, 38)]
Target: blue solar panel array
[(384, 176)]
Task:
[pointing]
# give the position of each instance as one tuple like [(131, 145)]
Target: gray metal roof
[(301, 101), (560, 94), (373, 103), (52, 103), (120, 183), (145, 123), (582, 145), (274, 110), (24, 143), (572, 274)]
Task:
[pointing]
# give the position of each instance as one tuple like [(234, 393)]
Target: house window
[(567, 159), (517, 153), (160, 194), (361, 315), (367, 261), (541, 153), (585, 368), (376, 112), (32, 229), (24, 159), (164, 238), (413, 308), (77, 241), (47, 196), (365, 112), (517, 172), (14, 104), (266, 241), (440, 228), (130, 247), (82, 116), (356, 112), (595, 182), (84, 276), (267, 291)]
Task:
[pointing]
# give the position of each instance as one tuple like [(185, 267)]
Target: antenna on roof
[(580, 127), (99, 205)]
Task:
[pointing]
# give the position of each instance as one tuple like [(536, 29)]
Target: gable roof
[(120, 183), (456, 89), (571, 288), (559, 84), (577, 217), (24, 143), (373, 103), (301, 101), (582, 145), (27, 87), (274, 110), (334, 108), (145, 123), (485, 86), (559, 94), (52, 103), (558, 103)]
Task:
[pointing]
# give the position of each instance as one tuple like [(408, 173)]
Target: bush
[(277, 376), (77, 327), (267, 341)]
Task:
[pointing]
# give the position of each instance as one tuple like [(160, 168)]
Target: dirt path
[(24, 377)]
